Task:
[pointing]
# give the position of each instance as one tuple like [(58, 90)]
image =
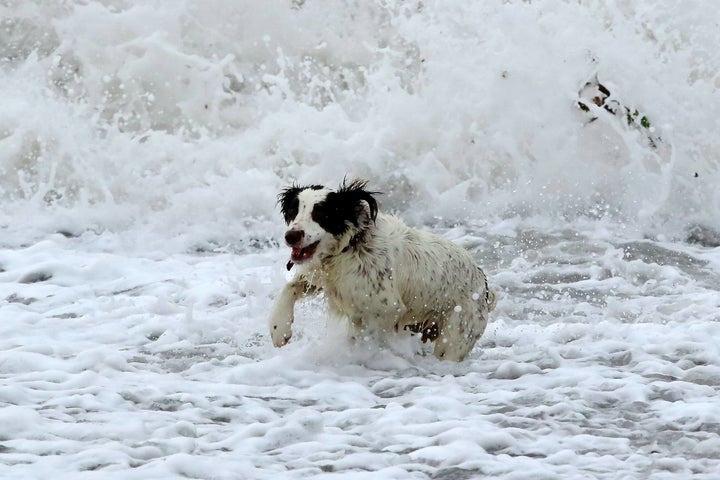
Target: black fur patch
[(288, 200), (344, 208)]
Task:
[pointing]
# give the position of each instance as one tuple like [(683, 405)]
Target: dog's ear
[(355, 194), (288, 200)]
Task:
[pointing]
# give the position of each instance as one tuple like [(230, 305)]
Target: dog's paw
[(281, 319), (280, 333), (445, 350)]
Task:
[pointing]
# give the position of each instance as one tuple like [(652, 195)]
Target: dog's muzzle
[(294, 239)]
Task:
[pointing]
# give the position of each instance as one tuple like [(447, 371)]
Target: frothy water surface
[(571, 146)]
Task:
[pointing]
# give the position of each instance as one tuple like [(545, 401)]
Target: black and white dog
[(379, 273)]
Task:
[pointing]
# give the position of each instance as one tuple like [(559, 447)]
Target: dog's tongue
[(296, 255), (300, 254)]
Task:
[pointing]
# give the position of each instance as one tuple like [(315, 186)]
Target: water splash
[(169, 114)]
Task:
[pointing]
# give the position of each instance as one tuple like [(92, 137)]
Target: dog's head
[(322, 222)]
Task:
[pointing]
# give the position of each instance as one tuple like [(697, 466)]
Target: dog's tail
[(491, 299), (490, 296)]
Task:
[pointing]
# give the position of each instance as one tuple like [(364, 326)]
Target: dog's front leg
[(283, 313)]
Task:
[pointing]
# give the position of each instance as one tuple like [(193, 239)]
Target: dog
[(379, 273)]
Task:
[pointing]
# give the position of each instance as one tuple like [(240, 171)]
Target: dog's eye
[(290, 210), (320, 213), (291, 215)]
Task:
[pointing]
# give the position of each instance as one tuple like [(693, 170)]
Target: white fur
[(304, 221), (392, 278)]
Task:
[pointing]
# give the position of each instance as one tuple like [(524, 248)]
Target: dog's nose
[(293, 237)]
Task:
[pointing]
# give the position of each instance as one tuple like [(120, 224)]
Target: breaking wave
[(168, 114)]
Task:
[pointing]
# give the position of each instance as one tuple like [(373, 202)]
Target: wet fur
[(382, 275)]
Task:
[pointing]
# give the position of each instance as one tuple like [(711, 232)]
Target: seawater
[(171, 117)]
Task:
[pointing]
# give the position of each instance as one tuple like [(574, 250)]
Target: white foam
[(141, 150), (188, 117)]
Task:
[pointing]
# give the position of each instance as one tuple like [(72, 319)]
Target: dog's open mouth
[(301, 254)]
